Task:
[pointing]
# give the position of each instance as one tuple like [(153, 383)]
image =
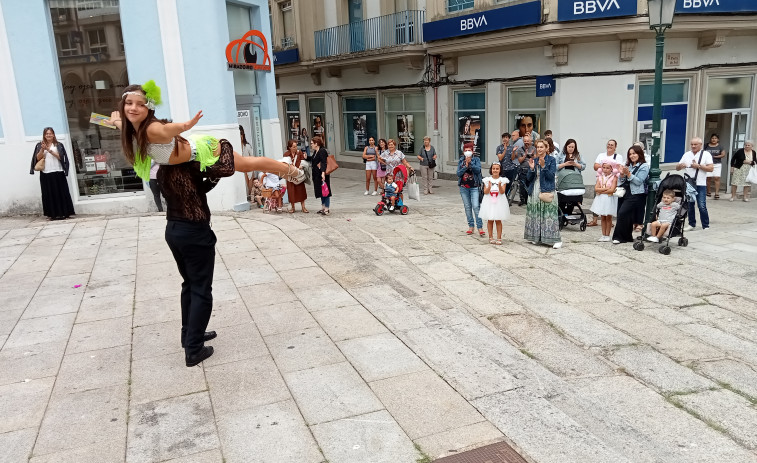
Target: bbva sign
[(571, 10)]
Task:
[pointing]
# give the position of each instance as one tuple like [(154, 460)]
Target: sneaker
[(615, 242), (706, 228), (366, 193), (688, 228), (557, 245), (653, 239), (374, 193), (601, 239), (391, 208)]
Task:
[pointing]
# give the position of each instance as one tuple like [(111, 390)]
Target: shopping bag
[(331, 164), (324, 190), (751, 177), (413, 189)]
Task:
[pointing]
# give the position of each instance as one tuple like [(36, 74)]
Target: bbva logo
[(699, 3), (473, 23), (251, 59), (593, 6)]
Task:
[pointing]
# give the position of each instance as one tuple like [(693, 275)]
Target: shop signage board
[(289, 56), (545, 86), (249, 53), (716, 6), (576, 10), (524, 14)]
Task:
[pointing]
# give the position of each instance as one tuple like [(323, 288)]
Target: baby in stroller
[(667, 210), (390, 190), (392, 197)]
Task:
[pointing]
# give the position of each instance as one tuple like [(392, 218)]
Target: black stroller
[(677, 184)]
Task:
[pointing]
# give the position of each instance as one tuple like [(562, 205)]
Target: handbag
[(431, 163), (546, 197), (751, 177), (620, 191), (40, 165), (324, 190), (331, 164)]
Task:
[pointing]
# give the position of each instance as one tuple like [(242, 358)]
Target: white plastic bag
[(413, 189), (751, 177)]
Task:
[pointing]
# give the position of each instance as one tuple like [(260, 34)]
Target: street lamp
[(660, 20)]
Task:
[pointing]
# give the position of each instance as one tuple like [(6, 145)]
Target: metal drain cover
[(499, 452)]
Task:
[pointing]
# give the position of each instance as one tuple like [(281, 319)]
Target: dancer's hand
[(115, 117), (192, 122)]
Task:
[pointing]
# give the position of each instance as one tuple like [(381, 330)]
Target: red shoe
[(481, 233), (469, 232)]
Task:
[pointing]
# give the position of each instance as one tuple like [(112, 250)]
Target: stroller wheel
[(379, 209), (638, 245), (683, 242), (582, 227), (403, 210), (665, 250)]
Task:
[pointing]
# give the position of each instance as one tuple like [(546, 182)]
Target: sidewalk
[(357, 338)]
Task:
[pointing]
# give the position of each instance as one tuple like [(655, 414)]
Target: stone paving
[(356, 338)]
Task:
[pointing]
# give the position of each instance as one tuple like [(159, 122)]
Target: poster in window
[(406, 133), (644, 135), (304, 141), (469, 131), (359, 133), (527, 124), (318, 129), (294, 126)]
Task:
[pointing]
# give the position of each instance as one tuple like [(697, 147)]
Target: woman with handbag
[(321, 181), (297, 192), (427, 157), (51, 160), (542, 212), (631, 206), (742, 161)]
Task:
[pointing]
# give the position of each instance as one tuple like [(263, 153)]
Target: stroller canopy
[(569, 179), (400, 176)]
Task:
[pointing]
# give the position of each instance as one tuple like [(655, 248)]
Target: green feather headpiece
[(152, 93)]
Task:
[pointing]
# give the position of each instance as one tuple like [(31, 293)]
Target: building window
[(239, 22), (97, 42), (317, 111), (292, 108), (526, 112), (459, 5), (121, 48), (287, 18), (470, 117), (66, 45), (405, 120), (675, 110), (359, 120)]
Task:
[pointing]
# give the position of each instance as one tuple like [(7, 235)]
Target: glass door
[(357, 41)]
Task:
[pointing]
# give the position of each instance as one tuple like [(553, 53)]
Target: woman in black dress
[(56, 199), (319, 161)]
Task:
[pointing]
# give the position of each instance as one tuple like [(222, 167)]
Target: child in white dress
[(494, 207), (605, 204)]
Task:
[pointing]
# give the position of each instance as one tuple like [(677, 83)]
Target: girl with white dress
[(494, 207), (605, 204)]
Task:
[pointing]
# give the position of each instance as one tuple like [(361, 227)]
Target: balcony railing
[(402, 28)]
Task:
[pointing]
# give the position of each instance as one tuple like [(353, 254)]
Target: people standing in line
[(494, 207), (570, 158), (426, 155), (611, 146), (469, 182), (718, 153), (381, 170), (742, 161), (155, 185), (605, 203), (507, 162), (319, 163), (297, 193), (370, 156), (524, 153), (542, 216), (696, 163), (56, 199), (631, 207)]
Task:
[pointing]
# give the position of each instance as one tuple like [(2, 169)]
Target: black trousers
[(155, 188), (193, 248), (522, 172), (630, 208)]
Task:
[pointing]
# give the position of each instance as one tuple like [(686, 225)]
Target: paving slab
[(171, 428), (93, 370), (731, 412), (157, 340), (94, 308), (30, 362), (381, 356), (733, 374), (728, 343), (17, 445), (460, 439), (281, 318), (272, 433), (348, 322), (108, 450), (100, 334), (370, 438), (302, 349), (245, 384), (235, 343), (163, 377), (24, 403), (40, 330)]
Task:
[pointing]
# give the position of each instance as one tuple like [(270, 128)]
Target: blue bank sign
[(716, 6), (524, 14), (291, 55), (545, 86), (575, 10)]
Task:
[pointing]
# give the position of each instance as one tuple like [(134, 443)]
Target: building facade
[(468, 70), (80, 55)]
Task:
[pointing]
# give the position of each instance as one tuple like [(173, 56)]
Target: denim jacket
[(637, 181), (475, 165), (561, 159), (547, 177)]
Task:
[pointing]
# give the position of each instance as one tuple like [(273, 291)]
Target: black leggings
[(155, 188)]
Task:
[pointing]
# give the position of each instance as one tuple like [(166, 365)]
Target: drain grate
[(499, 452)]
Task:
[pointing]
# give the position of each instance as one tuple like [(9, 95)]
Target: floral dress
[(542, 219)]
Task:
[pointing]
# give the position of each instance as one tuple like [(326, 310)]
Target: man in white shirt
[(612, 145), (696, 163)]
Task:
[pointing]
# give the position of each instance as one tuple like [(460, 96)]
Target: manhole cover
[(494, 453)]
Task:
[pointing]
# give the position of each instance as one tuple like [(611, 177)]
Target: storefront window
[(729, 93), (317, 111), (470, 114), (675, 111), (525, 111), (239, 23), (458, 5), (93, 74), (405, 117), (359, 121), (293, 119)]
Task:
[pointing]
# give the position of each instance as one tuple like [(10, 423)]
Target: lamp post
[(660, 20)]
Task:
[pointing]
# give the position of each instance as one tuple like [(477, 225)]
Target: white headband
[(150, 103)]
